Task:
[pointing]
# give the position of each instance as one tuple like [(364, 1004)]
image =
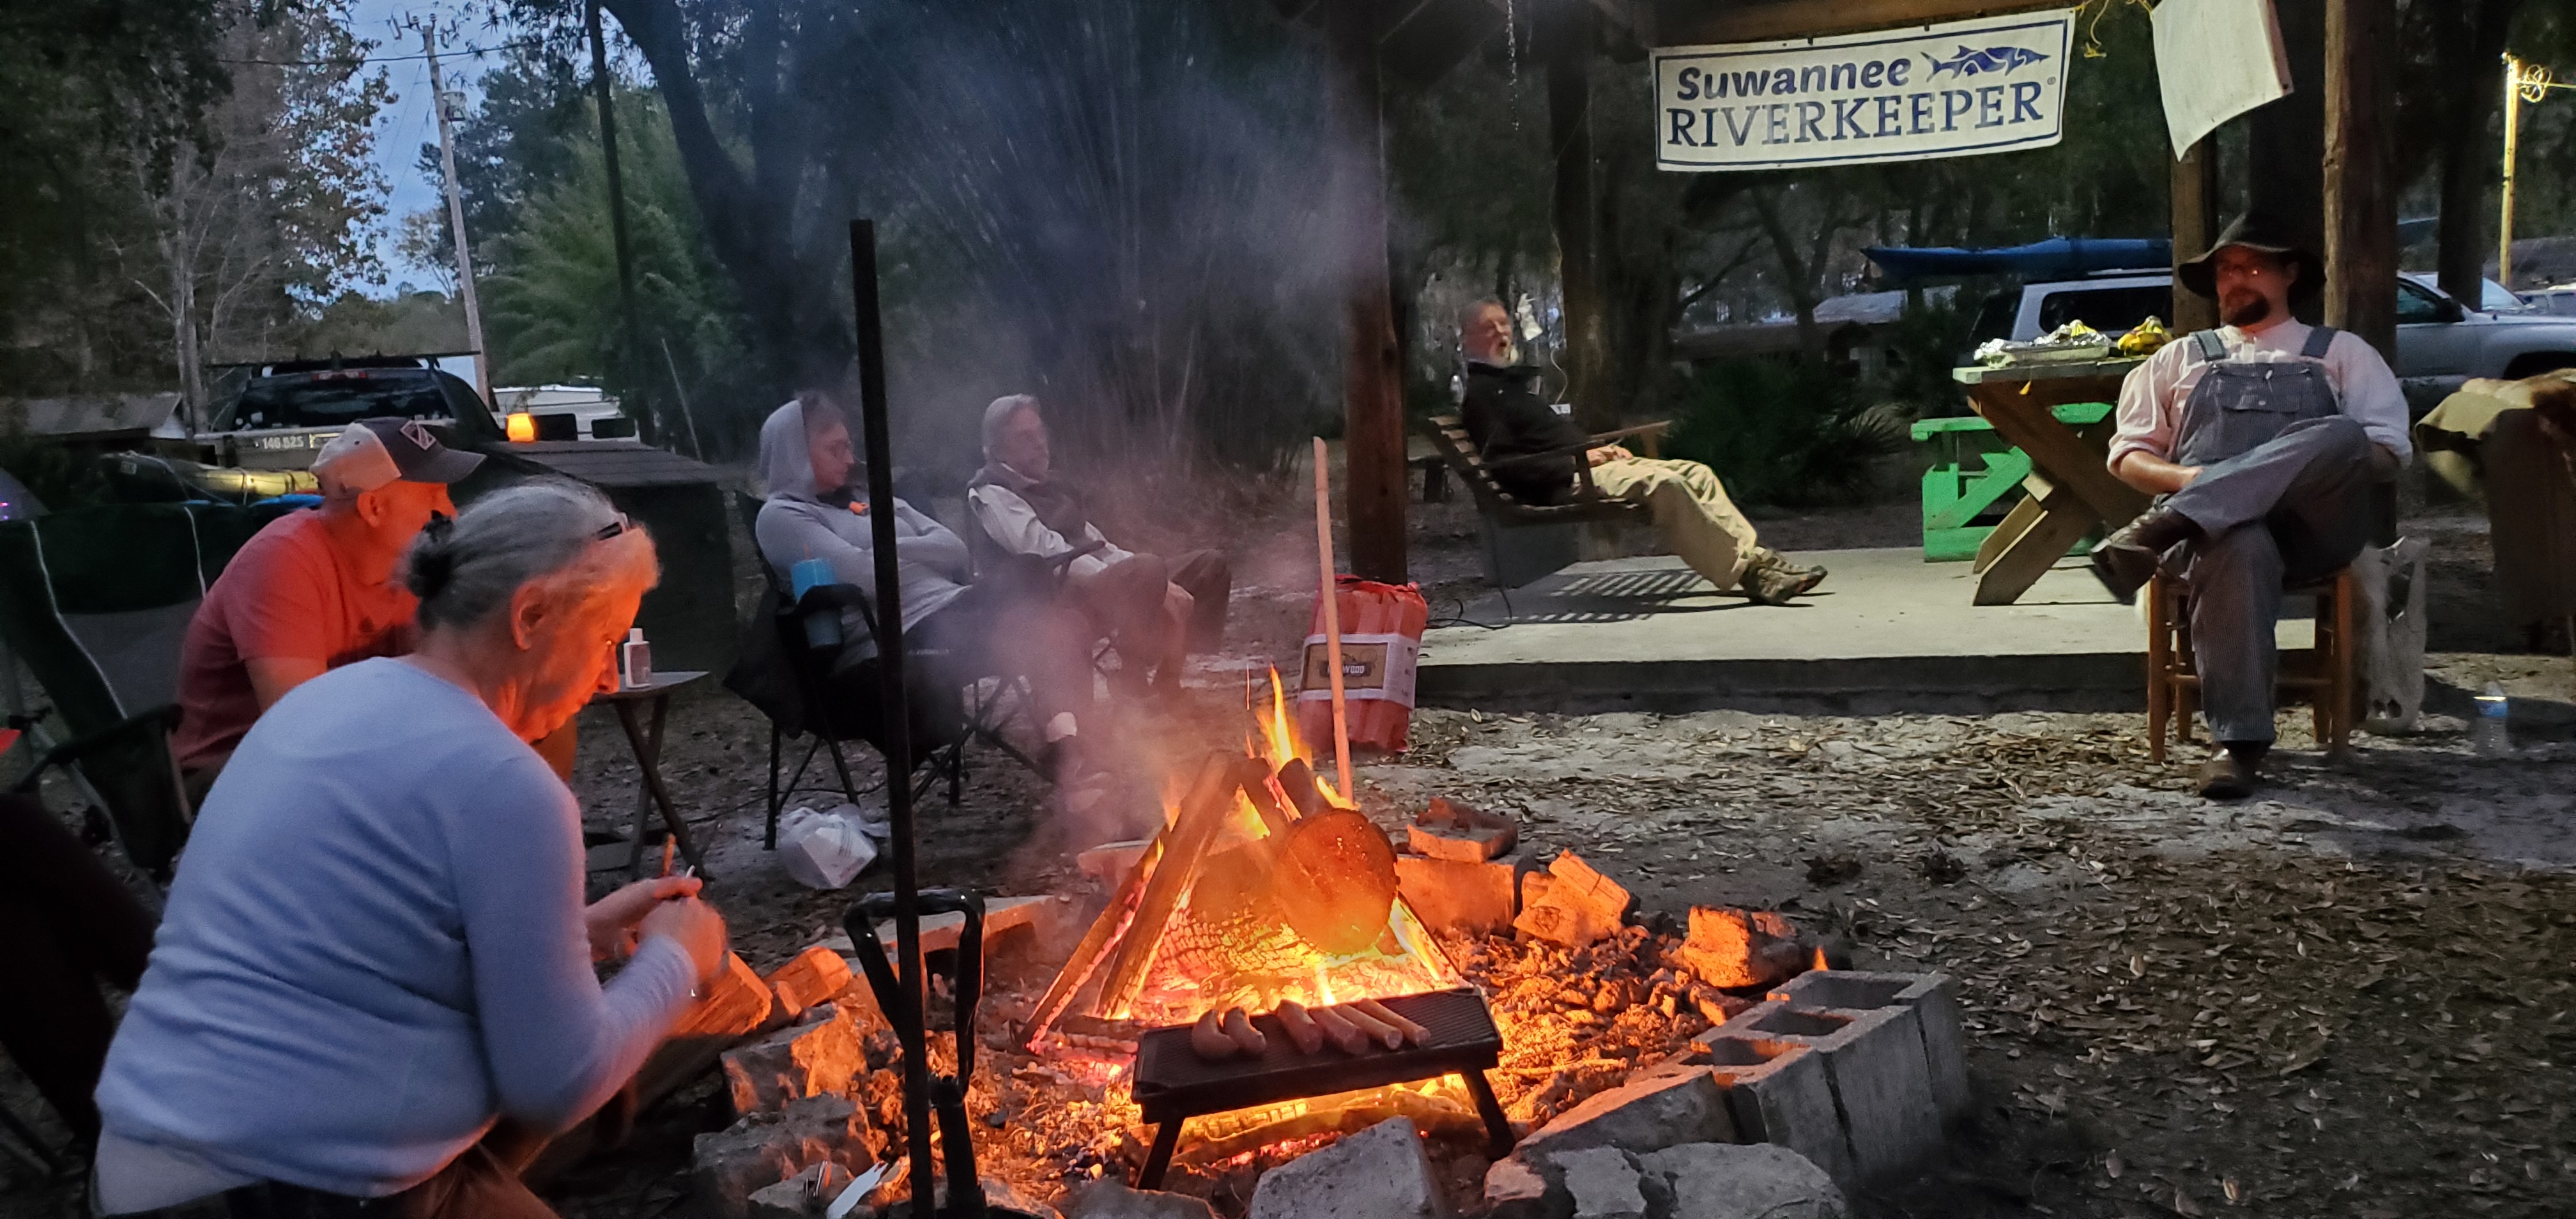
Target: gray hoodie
[(795, 524)]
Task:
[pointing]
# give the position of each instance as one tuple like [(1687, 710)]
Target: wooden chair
[(2322, 676), (1499, 512)]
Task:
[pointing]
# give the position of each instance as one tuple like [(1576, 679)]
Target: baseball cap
[(373, 452)]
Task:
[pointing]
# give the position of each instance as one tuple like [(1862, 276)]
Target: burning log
[(817, 974), (1335, 881), (1185, 842)]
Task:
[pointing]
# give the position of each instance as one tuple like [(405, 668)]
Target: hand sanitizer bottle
[(634, 661)]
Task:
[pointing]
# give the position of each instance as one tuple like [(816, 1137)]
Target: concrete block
[(1514, 1189), (1109, 1198), (1110, 862), (1462, 898), (1639, 1116), (1755, 1181), (1379, 1173), (939, 932), (1874, 1061), (1602, 1181), (756, 1152), (1935, 999), (1778, 1093)]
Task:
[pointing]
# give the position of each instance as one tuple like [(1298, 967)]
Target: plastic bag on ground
[(825, 850)]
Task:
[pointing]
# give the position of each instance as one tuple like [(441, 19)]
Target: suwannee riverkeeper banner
[(1994, 84)]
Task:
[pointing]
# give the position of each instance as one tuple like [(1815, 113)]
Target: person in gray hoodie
[(812, 510)]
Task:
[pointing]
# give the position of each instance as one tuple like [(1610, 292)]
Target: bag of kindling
[(825, 850), (1381, 645)]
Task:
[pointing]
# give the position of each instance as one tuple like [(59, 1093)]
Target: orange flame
[(1820, 965)]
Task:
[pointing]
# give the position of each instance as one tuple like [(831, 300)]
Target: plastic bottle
[(635, 660), (2490, 735)]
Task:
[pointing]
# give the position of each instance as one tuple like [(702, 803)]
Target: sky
[(401, 128)]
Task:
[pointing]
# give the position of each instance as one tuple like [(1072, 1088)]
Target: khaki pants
[(1692, 513)]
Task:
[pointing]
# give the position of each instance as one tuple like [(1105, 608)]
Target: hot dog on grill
[(1343, 1033), (1239, 1027), (1375, 1029), (1208, 1039), (1301, 1026), (1414, 1033)]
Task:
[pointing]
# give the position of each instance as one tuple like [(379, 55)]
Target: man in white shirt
[(2261, 441), (1155, 610)]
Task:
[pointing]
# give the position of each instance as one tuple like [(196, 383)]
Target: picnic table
[(2071, 489)]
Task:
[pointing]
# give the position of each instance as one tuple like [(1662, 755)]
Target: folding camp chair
[(95, 602), (794, 686)]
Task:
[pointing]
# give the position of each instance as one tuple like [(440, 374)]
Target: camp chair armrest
[(1056, 564), (163, 720), (1589, 443)]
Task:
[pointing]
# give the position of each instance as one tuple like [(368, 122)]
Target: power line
[(356, 63)]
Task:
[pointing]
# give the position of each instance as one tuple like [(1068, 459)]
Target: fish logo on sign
[(1972, 62)]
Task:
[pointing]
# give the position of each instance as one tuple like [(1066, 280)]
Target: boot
[(2233, 771), (1772, 579), (2127, 559)]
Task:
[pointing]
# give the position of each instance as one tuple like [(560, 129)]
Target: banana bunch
[(2144, 338)]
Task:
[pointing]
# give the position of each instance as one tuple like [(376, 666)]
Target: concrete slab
[(1887, 633)]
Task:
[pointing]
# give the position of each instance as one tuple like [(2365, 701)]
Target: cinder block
[(1778, 1093), (1874, 1062), (1935, 1000)]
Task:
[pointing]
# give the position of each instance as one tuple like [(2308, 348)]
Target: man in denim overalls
[(2261, 441)]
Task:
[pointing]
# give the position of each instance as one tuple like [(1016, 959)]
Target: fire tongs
[(966, 982)]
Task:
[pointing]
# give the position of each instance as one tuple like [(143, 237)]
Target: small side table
[(647, 746)]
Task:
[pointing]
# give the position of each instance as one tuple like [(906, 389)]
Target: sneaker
[(1772, 579)]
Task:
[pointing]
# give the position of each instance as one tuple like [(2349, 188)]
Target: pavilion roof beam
[(1692, 22)]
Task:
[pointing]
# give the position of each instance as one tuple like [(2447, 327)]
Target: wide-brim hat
[(2255, 231)]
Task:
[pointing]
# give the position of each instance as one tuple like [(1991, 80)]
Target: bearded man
[(2261, 442)]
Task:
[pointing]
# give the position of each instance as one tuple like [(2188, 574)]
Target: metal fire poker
[(907, 1016)]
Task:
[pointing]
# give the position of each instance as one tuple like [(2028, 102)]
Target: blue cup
[(822, 630)]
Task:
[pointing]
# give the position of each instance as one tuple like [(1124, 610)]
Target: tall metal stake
[(456, 217), (898, 724), (601, 83)]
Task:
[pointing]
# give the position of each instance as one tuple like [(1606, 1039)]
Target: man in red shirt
[(314, 590)]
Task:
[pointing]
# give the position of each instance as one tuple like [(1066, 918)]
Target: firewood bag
[(1381, 645)]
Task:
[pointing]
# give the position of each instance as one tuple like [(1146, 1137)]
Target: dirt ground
[(2349, 996)]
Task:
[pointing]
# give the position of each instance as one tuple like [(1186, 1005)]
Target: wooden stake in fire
[(1330, 591)]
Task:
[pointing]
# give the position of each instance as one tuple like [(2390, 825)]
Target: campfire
[(1271, 978), (1264, 885)]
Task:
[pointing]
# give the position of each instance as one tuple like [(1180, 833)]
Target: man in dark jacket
[(1531, 450)]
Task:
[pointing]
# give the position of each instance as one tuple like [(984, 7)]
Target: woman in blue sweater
[(376, 947)]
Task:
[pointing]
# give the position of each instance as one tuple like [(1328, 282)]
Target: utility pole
[(602, 82), (456, 216)]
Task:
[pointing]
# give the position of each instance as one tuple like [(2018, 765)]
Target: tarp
[(2055, 258)]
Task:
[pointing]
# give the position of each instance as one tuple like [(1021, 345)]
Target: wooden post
[(1575, 210), (2360, 187), (2195, 225), (2286, 138), (2504, 196), (1373, 410)]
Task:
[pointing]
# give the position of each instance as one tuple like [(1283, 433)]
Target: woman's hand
[(612, 920), (695, 927)]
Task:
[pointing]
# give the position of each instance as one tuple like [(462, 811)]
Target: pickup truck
[(2440, 343)]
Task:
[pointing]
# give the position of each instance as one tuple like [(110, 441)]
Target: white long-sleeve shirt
[(1014, 526), (2152, 398)]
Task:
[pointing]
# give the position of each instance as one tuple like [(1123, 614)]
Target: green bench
[(1974, 479)]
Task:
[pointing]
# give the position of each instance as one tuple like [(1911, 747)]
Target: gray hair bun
[(465, 569)]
